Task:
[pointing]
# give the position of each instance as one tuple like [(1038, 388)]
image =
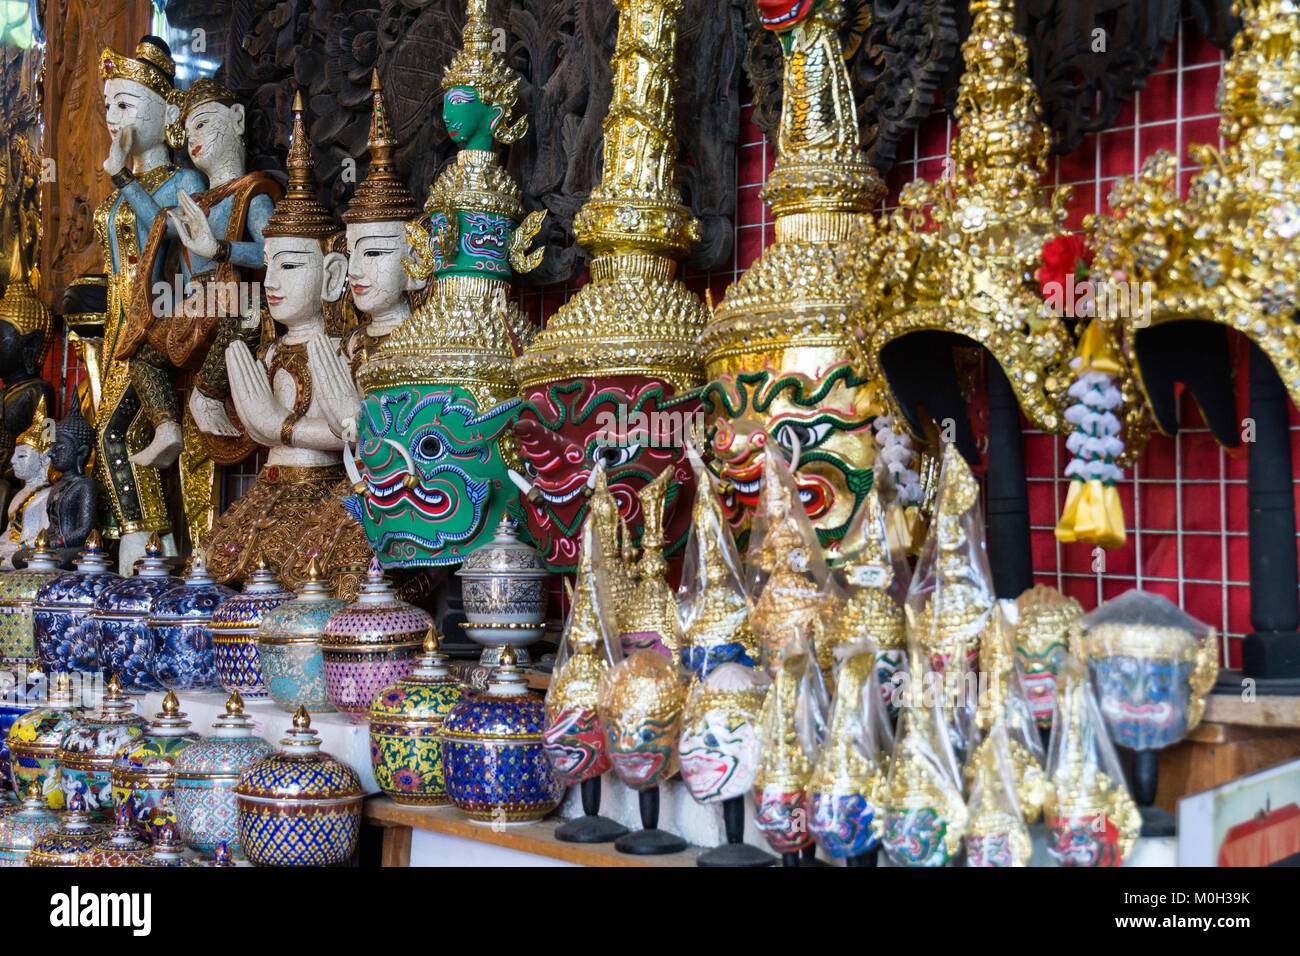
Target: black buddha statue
[(73, 499)]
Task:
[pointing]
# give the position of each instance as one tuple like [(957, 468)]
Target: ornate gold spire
[(299, 213), (848, 763), (719, 612), (39, 435), (652, 608), (633, 317), (589, 615), (785, 765), (806, 288), (476, 65), (382, 196), (968, 267), (605, 513), (22, 308)]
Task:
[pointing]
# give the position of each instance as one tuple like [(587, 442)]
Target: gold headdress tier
[(382, 196), (651, 608), (968, 266), (300, 214), (806, 289), (205, 90), (644, 687), (40, 433), (1228, 253), (22, 308), (152, 67), (478, 66), (634, 317)]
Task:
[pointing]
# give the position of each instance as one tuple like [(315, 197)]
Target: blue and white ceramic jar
[(205, 777), (288, 645), (18, 590), (183, 655), (36, 742), (234, 633), (122, 636), (299, 806), (90, 747), (22, 829), (61, 621), (494, 752), (144, 770)]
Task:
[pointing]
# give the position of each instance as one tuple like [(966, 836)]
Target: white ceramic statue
[(31, 465)]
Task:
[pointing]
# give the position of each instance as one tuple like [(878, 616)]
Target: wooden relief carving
[(561, 48), (20, 164), (75, 136)]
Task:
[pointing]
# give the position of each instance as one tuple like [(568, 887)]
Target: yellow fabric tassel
[(1092, 512), (1097, 350)]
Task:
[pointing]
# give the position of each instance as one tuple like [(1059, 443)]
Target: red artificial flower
[(1063, 256)]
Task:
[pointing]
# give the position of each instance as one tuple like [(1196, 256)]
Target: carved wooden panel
[(560, 47), (75, 136), (20, 165)]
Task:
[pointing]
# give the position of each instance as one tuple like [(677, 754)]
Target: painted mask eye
[(790, 434), (430, 447), (614, 456), (711, 741)]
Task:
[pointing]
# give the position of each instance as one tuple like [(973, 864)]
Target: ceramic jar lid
[(21, 829), (302, 620), (424, 696), (378, 617), (93, 575), (167, 849), (233, 747), (243, 613), (197, 597), (133, 597), (506, 710), (300, 772), (76, 834), (42, 729), (20, 587), (156, 750), (101, 734), (504, 556), (124, 846)]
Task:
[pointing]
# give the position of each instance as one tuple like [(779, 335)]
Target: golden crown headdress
[(40, 433), (203, 91), (22, 308), (477, 65), (299, 213), (382, 196), (807, 288), (152, 67), (1228, 253), (968, 265), (633, 317)]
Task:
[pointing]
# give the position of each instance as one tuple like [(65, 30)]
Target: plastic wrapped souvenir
[(849, 777), (719, 749), (872, 569), (785, 573), (649, 618), (1042, 641), (1091, 819), (922, 814), (792, 729), (997, 833), (712, 604), (1152, 665)]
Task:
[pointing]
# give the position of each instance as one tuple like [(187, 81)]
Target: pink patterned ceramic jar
[(370, 644)]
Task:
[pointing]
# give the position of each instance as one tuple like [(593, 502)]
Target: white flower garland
[(898, 454)]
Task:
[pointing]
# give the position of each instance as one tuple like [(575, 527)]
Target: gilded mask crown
[(652, 607), (22, 308), (967, 264), (634, 317), (870, 608), (299, 213), (586, 632), (152, 67), (1228, 252), (785, 764), (848, 763), (922, 776), (1045, 618), (478, 66), (806, 289), (645, 686), (577, 685), (382, 196), (721, 613), (39, 435)]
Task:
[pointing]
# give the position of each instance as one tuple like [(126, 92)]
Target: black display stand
[(1146, 778), (869, 858), (591, 828), (650, 840), (735, 852), (1270, 654), (1010, 550)]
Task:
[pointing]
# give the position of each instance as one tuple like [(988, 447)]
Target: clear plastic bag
[(950, 600), (922, 817), (590, 646), (648, 621), (1091, 819), (785, 571), (872, 572), (997, 834), (640, 709), (1152, 665), (712, 603), (848, 779), (719, 749), (1042, 640), (793, 727)]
